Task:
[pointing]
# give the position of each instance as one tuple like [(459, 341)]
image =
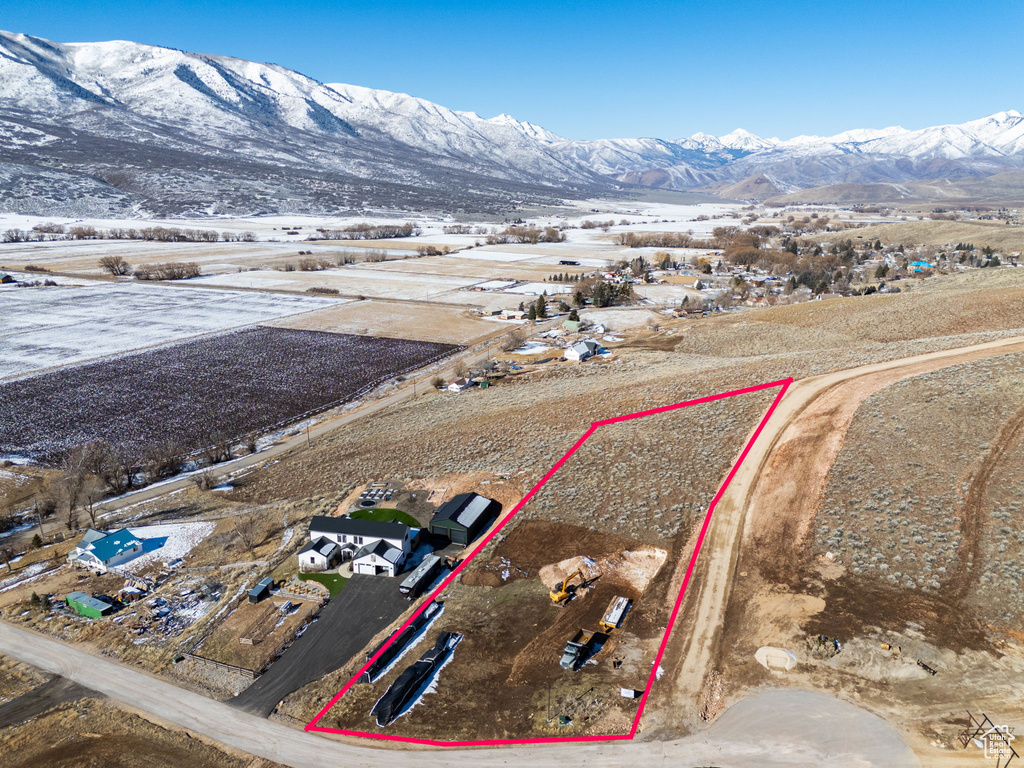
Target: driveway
[(364, 607)]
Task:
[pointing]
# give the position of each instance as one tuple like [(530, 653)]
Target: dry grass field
[(17, 678), (92, 732), (406, 320), (1003, 237), (908, 497)]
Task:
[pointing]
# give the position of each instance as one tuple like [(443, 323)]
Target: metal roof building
[(464, 517)]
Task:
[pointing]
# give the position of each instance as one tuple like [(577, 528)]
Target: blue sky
[(609, 69)]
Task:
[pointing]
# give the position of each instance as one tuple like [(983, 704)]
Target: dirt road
[(781, 483), (789, 728)]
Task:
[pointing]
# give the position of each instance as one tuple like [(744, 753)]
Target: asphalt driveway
[(345, 626)]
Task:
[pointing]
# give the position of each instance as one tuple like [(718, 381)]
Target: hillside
[(133, 129)]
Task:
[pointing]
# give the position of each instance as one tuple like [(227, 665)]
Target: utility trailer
[(616, 612)]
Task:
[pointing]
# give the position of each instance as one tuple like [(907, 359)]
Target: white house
[(460, 384), (319, 555), (378, 559), (374, 547), (582, 350), (100, 551)]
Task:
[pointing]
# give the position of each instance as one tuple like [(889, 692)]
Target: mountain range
[(121, 128)]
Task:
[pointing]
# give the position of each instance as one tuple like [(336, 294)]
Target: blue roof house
[(99, 551)]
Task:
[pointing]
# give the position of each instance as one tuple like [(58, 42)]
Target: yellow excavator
[(564, 591)]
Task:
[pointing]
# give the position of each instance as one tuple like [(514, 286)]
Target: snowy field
[(353, 281), (166, 543), (43, 328)]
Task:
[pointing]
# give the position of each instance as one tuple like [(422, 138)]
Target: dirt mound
[(775, 659), (633, 568), (533, 544)]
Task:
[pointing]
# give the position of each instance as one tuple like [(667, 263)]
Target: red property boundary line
[(784, 385)]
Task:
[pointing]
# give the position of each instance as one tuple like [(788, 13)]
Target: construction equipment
[(578, 650), (564, 591), (616, 613), (894, 649)]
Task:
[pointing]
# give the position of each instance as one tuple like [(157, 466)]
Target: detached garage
[(464, 518)]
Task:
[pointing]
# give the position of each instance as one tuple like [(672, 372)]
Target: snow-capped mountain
[(121, 126)]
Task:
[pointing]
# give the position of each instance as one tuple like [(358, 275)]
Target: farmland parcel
[(185, 395)]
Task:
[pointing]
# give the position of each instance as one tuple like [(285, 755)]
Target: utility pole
[(307, 435)]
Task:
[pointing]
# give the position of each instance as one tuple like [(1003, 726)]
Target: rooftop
[(321, 524), (465, 509)]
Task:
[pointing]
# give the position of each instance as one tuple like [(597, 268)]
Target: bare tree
[(247, 529), (204, 481), (116, 265), (461, 369), (93, 492), (7, 554), (515, 340)]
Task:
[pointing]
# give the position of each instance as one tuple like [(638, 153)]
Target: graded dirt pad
[(89, 732), (404, 320)]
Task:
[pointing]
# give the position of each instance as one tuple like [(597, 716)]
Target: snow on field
[(16, 477), (495, 285), (485, 255), (353, 280), (531, 348), (536, 289), (165, 543), (48, 327)]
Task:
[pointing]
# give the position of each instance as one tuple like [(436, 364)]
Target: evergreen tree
[(541, 307), (574, 316), (532, 314)]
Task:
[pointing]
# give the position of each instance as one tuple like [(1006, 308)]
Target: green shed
[(87, 606), (464, 518)]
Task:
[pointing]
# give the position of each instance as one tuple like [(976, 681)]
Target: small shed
[(261, 590), (573, 326), (87, 606), (5, 278), (464, 517)]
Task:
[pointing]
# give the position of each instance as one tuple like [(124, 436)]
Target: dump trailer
[(564, 591), (578, 650), (401, 642), (420, 577), (616, 613), (410, 683)]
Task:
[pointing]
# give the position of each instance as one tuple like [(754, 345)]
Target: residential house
[(573, 326), (460, 384), (378, 559), (582, 350), (319, 555), (100, 551), (464, 517), (374, 547)]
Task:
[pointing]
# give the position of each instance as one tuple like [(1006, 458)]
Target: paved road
[(345, 626), (791, 729)]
